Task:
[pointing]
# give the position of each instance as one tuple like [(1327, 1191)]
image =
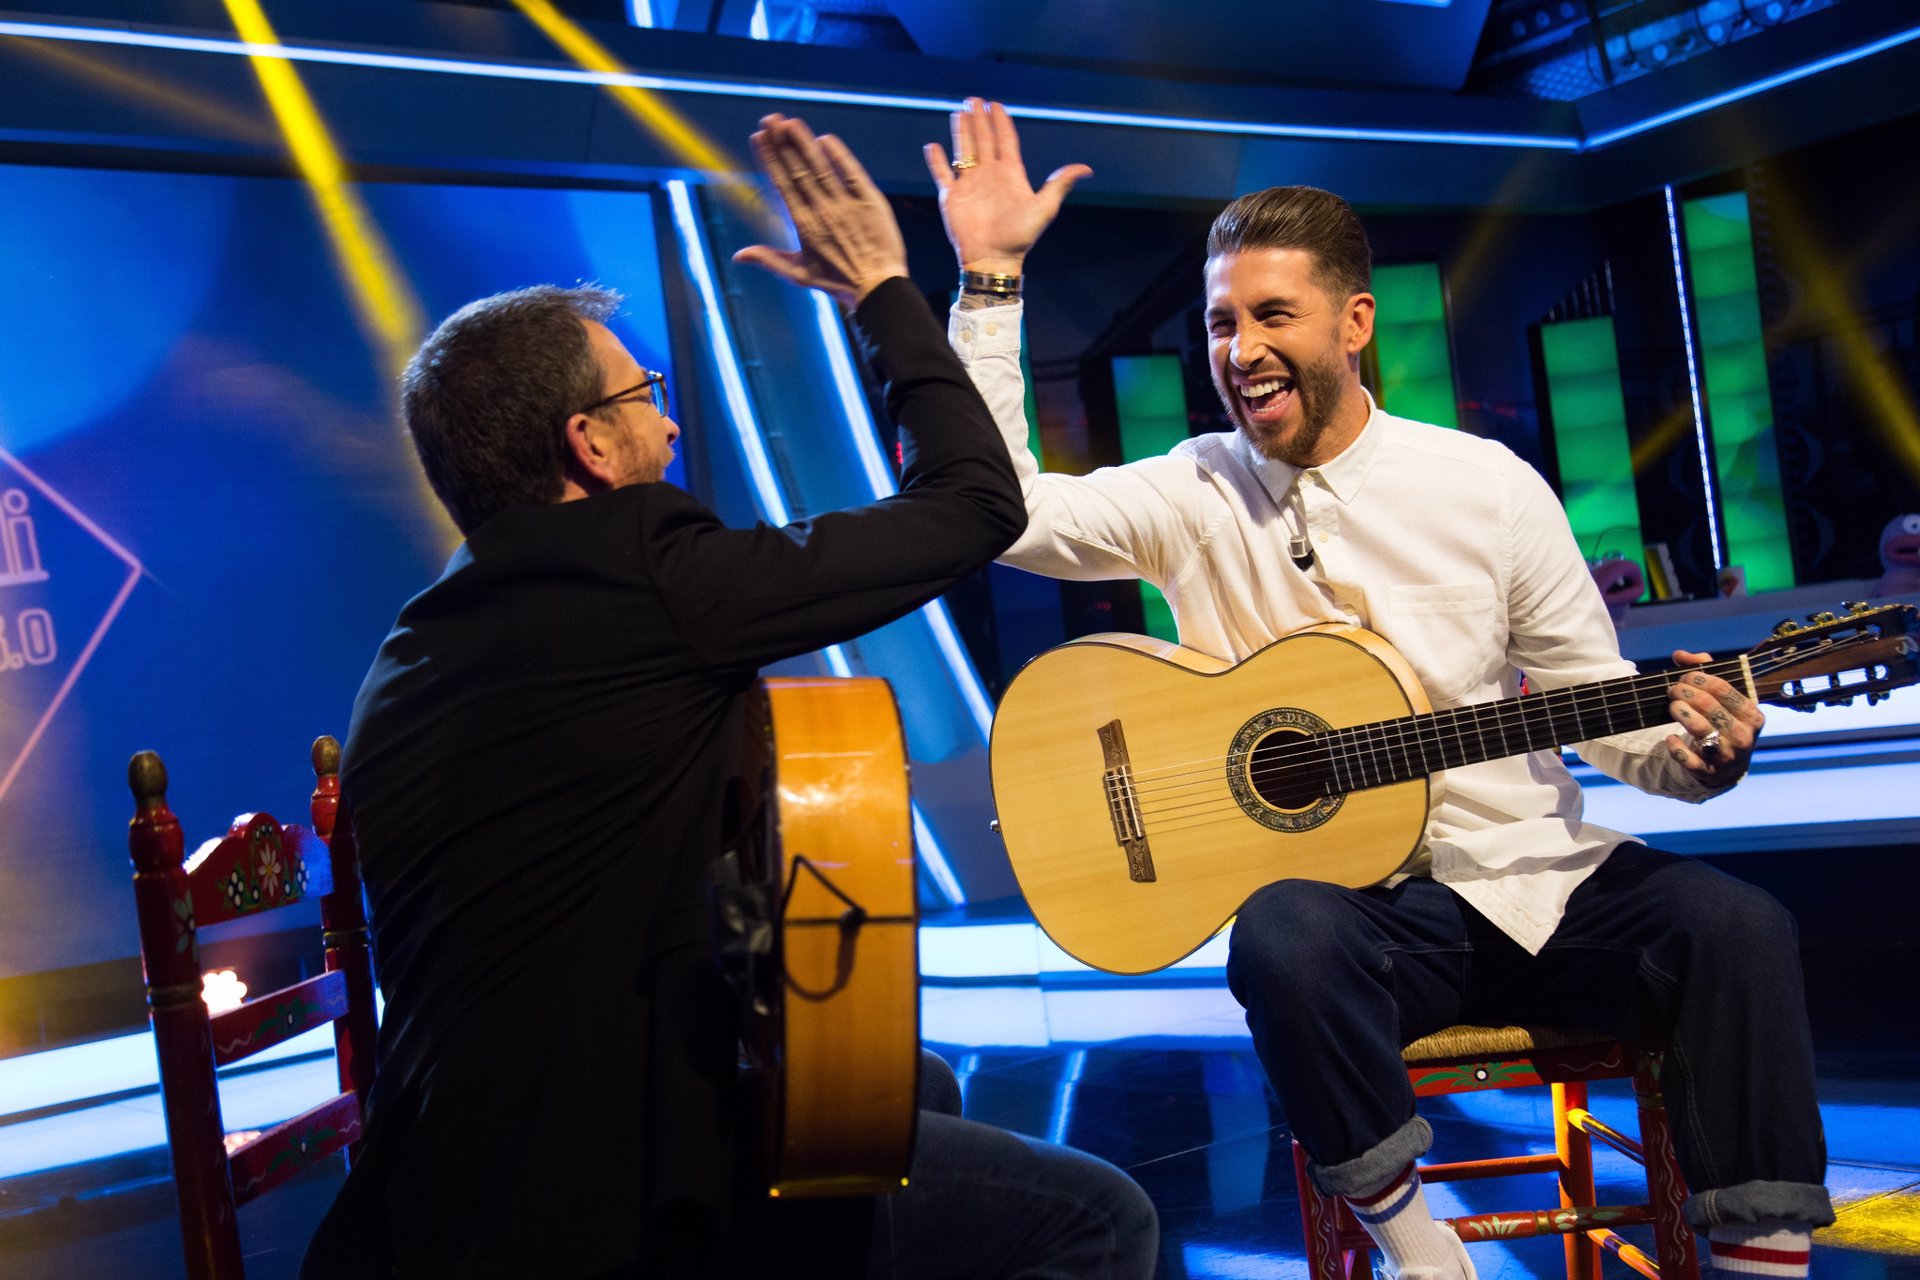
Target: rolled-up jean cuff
[(1370, 1170), (1745, 1202)]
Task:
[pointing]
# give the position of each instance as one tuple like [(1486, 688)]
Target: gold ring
[(963, 163)]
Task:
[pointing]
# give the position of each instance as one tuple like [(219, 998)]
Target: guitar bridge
[(1123, 804)]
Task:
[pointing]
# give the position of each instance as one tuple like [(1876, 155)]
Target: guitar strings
[(1499, 717), (1359, 778), (1375, 753), (1373, 761)]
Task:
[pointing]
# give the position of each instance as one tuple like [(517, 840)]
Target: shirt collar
[(1343, 476)]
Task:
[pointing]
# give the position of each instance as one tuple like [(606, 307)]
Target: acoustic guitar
[(818, 923), (1145, 791)]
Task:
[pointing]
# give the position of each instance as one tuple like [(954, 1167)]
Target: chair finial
[(147, 778), (326, 755)]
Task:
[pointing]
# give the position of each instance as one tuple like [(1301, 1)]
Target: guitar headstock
[(1832, 658)]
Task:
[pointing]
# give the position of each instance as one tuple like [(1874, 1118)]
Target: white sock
[(1395, 1214), (1772, 1248)]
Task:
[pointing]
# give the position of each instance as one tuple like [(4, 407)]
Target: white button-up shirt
[(1446, 544)]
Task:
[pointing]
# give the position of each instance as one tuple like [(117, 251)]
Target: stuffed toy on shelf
[(1900, 556), (1620, 581)]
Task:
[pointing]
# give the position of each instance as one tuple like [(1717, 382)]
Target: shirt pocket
[(1449, 632)]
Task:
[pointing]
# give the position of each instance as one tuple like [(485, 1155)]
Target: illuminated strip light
[(843, 97), (1062, 1117), (774, 92), (938, 868), (640, 12), (1018, 950), (866, 441), (1693, 380), (693, 246), (1814, 68)]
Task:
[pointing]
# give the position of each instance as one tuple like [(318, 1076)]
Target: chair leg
[(1576, 1177), (1320, 1220), (1673, 1239)]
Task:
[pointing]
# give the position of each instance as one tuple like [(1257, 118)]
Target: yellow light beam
[(1828, 282), (1674, 428), (648, 109), (382, 299), (143, 88), (1888, 1224)]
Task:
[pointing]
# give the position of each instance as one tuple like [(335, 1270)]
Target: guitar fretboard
[(1390, 751)]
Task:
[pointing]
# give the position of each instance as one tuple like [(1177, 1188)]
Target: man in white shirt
[(1320, 507)]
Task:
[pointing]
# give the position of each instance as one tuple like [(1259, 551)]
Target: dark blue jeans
[(981, 1202), (1655, 949)]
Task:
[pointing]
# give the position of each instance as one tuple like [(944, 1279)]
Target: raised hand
[(992, 213), (1721, 723), (849, 240)]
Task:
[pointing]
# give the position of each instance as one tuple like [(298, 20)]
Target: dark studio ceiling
[(1552, 49), (1564, 104)]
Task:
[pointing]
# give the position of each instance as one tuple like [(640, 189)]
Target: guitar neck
[(1390, 751)]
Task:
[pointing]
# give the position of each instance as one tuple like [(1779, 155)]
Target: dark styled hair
[(488, 392), (1300, 218)]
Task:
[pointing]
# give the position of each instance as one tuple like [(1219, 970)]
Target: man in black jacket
[(536, 770)]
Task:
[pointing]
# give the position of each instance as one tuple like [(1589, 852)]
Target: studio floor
[(1160, 1079)]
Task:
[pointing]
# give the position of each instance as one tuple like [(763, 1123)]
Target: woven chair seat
[(1466, 1041)]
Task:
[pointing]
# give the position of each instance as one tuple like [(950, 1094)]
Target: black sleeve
[(746, 597)]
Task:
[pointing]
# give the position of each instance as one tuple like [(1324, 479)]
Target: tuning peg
[(1857, 607), (1785, 627), (1823, 618), (1878, 697)]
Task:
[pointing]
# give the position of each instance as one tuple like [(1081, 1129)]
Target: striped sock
[(1414, 1245), (1774, 1248)]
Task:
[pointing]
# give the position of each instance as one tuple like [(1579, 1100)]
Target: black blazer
[(535, 769)]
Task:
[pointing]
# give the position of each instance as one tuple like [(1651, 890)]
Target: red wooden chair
[(260, 865), (1469, 1059)]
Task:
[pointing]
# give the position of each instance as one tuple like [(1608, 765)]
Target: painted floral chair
[(259, 865), (1468, 1059)]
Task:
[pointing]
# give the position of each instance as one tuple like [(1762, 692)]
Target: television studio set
[(1503, 415)]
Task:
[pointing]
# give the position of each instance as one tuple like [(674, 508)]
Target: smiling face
[(1284, 353)]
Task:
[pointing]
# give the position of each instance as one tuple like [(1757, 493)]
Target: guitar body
[(838, 1036), (1146, 791), (1179, 712)]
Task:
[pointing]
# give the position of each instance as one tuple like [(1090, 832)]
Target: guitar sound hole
[(1282, 774)]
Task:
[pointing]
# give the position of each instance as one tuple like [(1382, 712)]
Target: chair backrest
[(259, 865)]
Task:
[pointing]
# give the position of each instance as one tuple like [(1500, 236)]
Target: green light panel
[(1033, 405), (1582, 360), (1733, 360), (1410, 339), (1151, 399)]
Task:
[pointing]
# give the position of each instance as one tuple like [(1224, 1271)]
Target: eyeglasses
[(655, 386)]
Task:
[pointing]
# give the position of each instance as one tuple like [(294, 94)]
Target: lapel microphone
[(1301, 550)]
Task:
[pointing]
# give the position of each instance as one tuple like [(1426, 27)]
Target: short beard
[(1318, 388)]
